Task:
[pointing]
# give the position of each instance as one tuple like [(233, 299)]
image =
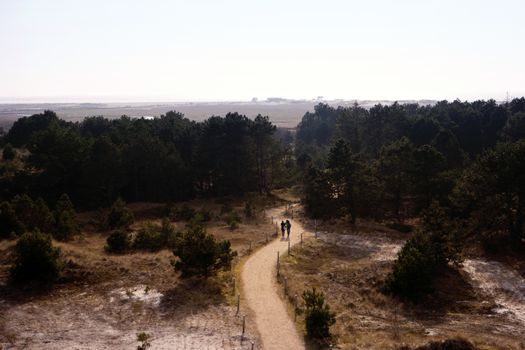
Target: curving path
[(258, 276)]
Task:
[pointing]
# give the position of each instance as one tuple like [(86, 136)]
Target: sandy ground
[(260, 289), (482, 302)]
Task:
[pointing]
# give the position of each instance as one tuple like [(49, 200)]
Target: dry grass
[(91, 277), (369, 319)]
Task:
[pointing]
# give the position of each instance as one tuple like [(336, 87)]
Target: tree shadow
[(195, 294)]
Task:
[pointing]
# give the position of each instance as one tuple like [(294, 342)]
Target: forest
[(448, 176)]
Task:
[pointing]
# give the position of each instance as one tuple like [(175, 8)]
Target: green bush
[(233, 221), (184, 213), (149, 237), (318, 317), (199, 254), (120, 216), (118, 241), (425, 255), (65, 219), (414, 269), (144, 339), (154, 237), (9, 223), (35, 258), (8, 152)]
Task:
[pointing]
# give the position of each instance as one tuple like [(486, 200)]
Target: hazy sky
[(237, 49)]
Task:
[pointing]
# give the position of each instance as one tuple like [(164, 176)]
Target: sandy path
[(258, 275)]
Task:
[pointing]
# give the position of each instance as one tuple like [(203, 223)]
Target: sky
[(233, 50)]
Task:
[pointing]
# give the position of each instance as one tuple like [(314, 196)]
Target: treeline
[(166, 159), (459, 167)]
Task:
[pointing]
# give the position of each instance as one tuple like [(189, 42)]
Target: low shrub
[(414, 269), (118, 241), (144, 339), (65, 219), (119, 216), (199, 254), (10, 226), (318, 317), (35, 258), (184, 213), (8, 153), (149, 238), (233, 221)]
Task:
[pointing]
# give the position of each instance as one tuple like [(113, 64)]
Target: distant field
[(286, 113)]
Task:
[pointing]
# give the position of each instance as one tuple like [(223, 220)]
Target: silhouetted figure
[(283, 227), (288, 227)]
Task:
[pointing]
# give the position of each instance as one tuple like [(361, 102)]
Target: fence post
[(285, 287), (301, 239), (243, 325), (295, 307), (278, 264), (289, 246), (253, 345), (238, 303)]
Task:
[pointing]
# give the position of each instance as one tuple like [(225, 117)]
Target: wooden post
[(253, 345), (277, 264), (243, 324), (285, 286), (289, 246), (238, 303), (295, 307), (301, 239)]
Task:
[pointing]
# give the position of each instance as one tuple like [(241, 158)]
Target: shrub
[(9, 223), (414, 268), (184, 213), (35, 258), (318, 317), (65, 219), (205, 214), (118, 241), (425, 255), (149, 237), (167, 231), (233, 221), (8, 152), (119, 215), (199, 254), (144, 339)]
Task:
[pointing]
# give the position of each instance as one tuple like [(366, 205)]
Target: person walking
[(283, 227), (288, 227)]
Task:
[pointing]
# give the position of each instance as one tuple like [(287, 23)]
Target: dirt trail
[(258, 275)]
